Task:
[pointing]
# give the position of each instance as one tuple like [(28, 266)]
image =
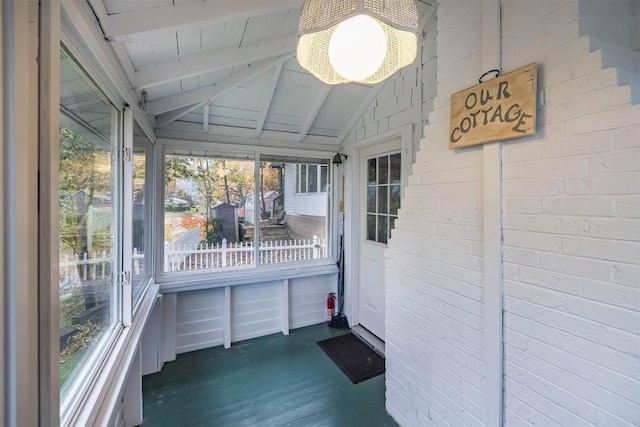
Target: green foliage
[(69, 307), (213, 230), (85, 336), (85, 169)]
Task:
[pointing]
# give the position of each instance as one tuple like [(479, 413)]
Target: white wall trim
[(49, 121), (492, 190), (3, 109), (20, 214)]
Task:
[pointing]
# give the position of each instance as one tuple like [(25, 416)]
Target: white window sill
[(209, 279)]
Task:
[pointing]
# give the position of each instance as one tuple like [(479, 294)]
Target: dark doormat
[(356, 359)]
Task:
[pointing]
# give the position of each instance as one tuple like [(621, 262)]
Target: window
[(312, 178), (295, 225), (141, 217), (383, 196), (209, 211), (214, 220), (88, 296), (104, 228)]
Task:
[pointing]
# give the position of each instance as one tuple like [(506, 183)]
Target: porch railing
[(206, 256)]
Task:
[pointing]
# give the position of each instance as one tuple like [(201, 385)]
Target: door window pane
[(383, 170), (88, 238), (382, 198), (371, 199), (371, 172), (371, 227), (394, 200), (382, 229), (394, 169)]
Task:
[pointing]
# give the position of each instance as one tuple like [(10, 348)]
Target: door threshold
[(369, 338)]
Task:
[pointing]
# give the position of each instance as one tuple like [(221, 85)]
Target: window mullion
[(256, 210), (124, 279)]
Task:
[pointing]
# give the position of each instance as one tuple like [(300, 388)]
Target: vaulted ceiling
[(226, 69)]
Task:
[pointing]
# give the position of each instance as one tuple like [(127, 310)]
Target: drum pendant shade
[(342, 41)]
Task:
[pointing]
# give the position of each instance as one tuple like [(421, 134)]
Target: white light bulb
[(357, 48)]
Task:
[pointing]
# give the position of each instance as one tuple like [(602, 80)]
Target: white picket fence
[(205, 256), (78, 270)]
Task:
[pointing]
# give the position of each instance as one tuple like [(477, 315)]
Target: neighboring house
[(306, 200)]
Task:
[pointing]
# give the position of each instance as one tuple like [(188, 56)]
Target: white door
[(380, 188)]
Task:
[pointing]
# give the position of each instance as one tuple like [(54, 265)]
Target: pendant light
[(363, 41)]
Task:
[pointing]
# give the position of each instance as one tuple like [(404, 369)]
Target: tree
[(240, 181), (84, 170), (268, 182)]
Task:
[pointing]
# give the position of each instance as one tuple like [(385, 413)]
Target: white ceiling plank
[(211, 92), (215, 60), (364, 106), (125, 60), (314, 110), (268, 96), (205, 118), (138, 21), (170, 117)]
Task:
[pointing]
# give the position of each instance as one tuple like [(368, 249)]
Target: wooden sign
[(496, 110)]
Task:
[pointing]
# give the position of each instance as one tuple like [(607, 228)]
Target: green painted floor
[(270, 381)]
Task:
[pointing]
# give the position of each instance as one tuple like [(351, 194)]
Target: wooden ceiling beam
[(268, 97), (314, 110), (226, 134), (120, 25), (167, 118), (196, 98), (205, 118), (218, 59)]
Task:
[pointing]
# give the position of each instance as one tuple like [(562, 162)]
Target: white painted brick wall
[(434, 267), (572, 321), (571, 223)]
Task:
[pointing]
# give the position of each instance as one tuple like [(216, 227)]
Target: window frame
[(198, 279), (90, 367), (149, 198), (97, 370)]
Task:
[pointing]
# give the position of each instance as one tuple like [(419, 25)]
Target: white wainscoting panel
[(255, 310), (199, 320), (308, 300)]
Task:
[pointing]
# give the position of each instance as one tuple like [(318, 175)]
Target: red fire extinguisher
[(331, 304)]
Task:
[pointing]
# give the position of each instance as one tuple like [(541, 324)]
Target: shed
[(229, 216)]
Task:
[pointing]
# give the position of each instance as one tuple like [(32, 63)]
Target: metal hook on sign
[(494, 71)]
